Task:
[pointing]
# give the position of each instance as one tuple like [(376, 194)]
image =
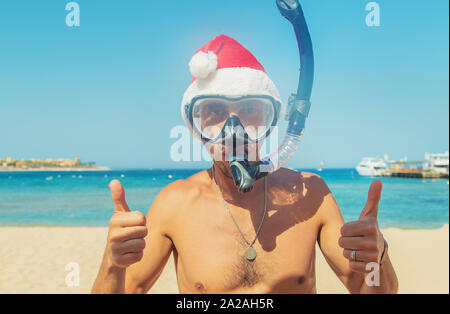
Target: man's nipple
[(199, 287)]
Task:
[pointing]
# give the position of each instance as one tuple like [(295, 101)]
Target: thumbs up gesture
[(127, 231), (362, 240)]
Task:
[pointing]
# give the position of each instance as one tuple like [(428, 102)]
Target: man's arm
[(337, 240), (140, 277), (137, 248)]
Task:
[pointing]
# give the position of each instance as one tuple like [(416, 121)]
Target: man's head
[(231, 104)]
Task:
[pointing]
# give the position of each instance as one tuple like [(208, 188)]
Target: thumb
[(373, 199), (118, 196)]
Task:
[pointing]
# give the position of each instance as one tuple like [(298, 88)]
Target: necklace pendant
[(250, 254)]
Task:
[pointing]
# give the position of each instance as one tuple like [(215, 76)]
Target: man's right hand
[(127, 231)]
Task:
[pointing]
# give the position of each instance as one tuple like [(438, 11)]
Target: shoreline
[(444, 226), (55, 169)]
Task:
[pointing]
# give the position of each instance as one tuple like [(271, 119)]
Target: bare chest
[(210, 256)]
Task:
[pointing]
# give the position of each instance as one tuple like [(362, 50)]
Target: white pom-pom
[(203, 64)]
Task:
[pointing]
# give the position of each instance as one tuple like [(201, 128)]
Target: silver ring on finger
[(353, 256)]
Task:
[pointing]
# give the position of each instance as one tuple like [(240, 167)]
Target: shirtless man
[(208, 224)]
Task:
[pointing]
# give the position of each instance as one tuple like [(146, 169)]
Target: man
[(224, 241)]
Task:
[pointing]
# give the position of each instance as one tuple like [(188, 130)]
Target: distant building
[(49, 163)]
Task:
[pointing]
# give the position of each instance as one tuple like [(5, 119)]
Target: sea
[(82, 198)]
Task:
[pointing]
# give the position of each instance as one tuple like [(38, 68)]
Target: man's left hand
[(363, 236)]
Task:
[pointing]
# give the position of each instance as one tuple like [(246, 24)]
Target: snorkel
[(244, 174)]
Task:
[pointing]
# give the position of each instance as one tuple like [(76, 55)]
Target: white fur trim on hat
[(203, 64)]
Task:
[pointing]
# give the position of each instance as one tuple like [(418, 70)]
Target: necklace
[(250, 252)]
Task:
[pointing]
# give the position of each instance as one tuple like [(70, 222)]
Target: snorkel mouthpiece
[(245, 175), (242, 178)]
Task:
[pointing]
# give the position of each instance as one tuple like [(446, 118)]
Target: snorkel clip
[(300, 105)]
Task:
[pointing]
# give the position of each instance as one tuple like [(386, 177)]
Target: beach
[(34, 260)]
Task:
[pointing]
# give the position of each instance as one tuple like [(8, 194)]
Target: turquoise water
[(83, 199)]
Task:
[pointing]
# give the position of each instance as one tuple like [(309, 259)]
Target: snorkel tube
[(299, 105)]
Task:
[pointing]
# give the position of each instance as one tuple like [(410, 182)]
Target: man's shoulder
[(290, 177), (298, 195), (313, 194), (181, 193), (174, 199)]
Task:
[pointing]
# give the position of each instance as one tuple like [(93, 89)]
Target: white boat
[(436, 163), (371, 166), (322, 164)]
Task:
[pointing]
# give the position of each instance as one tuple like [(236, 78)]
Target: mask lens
[(210, 116), (256, 116)]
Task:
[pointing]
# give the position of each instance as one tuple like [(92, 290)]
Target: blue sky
[(110, 90)]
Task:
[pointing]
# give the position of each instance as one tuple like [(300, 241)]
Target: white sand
[(33, 260)]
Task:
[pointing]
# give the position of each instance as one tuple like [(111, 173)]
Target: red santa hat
[(224, 67)]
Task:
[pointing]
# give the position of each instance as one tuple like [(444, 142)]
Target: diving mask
[(218, 118)]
